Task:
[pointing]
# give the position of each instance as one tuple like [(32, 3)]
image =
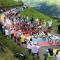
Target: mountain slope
[(35, 2), (49, 7)]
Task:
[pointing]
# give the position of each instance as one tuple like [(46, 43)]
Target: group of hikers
[(23, 28)]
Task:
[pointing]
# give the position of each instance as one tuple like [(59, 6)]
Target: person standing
[(18, 37), (11, 32), (58, 55), (50, 25), (50, 55), (35, 51), (44, 24), (6, 32), (29, 45), (1, 26), (22, 39)]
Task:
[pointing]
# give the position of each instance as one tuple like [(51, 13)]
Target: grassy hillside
[(7, 55), (9, 3), (31, 12), (11, 47)]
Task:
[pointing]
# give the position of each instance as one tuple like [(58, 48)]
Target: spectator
[(45, 55), (44, 24), (18, 37), (0, 25), (50, 55), (15, 35), (3, 29), (23, 38), (58, 55), (6, 32), (35, 50), (50, 25), (11, 32), (29, 45)]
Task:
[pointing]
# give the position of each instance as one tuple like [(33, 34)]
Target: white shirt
[(29, 45), (40, 26), (27, 18), (50, 23), (42, 34), (6, 32), (19, 34), (34, 49), (57, 57), (12, 31)]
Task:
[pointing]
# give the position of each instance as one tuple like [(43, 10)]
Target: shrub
[(8, 42)]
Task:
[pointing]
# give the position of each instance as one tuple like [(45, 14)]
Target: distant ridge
[(49, 7)]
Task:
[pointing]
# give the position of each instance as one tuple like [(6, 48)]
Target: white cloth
[(57, 57), (55, 37)]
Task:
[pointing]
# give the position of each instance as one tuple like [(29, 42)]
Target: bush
[(8, 42)]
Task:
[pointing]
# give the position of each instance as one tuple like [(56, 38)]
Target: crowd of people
[(23, 28), (17, 26)]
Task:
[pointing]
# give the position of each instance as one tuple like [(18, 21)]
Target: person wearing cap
[(35, 50)]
